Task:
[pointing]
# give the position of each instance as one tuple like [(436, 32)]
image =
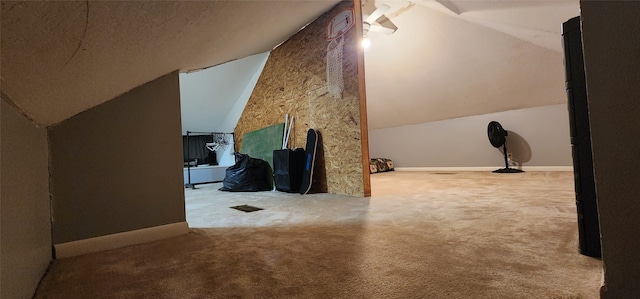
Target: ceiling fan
[(377, 22)]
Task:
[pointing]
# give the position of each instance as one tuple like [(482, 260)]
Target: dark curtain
[(198, 149)]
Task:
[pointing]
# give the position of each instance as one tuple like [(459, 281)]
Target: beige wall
[(294, 81), (118, 166), (539, 137), (438, 66), (612, 62), (25, 234)]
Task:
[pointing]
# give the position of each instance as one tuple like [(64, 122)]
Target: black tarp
[(247, 175)]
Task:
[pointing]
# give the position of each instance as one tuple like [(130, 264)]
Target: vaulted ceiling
[(487, 56), (61, 58)]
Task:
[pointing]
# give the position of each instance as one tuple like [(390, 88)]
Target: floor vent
[(247, 208)]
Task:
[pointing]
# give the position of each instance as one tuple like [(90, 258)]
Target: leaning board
[(261, 143)]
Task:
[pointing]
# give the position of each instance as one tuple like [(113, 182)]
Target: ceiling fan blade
[(382, 29), (376, 14), (450, 6), (385, 22)]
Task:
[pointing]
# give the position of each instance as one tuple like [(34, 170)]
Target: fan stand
[(506, 168)]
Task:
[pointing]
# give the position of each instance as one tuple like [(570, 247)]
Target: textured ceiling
[(61, 58)]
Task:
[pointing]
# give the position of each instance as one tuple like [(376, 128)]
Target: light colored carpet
[(421, 235)]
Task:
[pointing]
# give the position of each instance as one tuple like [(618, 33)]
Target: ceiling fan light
[(365, 43)]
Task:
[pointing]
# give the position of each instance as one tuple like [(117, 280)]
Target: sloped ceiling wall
[(208, 96), (494, 56), (60, 58), (537, 22), (440, 65)]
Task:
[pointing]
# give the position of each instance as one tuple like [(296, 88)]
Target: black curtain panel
[(197, 148)]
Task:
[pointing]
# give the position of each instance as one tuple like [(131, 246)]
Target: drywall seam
[(113, 241), (84, 34), (17, 108)]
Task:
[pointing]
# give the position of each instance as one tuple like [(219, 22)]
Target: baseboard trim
[(113, 241), (483, 168), (547, 168)]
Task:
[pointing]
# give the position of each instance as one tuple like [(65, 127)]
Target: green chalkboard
[(261, 143)]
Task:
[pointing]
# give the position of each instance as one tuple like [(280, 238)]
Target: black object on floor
[(310, 152), (247, 175), (288, 166), (580, 133), (247, 208), (497, 137)]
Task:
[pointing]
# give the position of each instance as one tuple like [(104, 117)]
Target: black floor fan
[(497, 137)]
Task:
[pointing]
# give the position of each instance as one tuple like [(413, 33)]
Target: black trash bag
[(247, 175)]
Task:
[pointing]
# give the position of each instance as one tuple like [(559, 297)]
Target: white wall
[(212, 98), (25, 236), (438, 67), (612, 61), (538, 137), (233, 116)]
